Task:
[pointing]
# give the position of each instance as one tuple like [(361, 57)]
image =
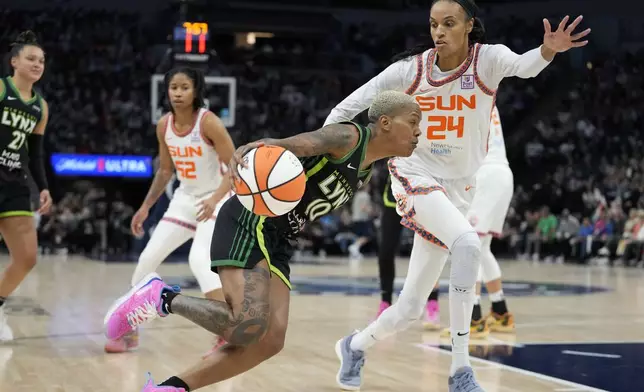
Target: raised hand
[(563, 39)]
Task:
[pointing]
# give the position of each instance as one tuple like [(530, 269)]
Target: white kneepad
[(465, 259)]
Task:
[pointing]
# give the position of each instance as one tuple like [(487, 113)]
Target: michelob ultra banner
[(91, 165)]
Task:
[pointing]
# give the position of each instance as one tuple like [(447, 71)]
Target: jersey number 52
[(186, 169), (440, 125)]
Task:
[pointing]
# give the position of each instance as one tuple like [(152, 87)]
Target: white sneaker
[(6, 334)]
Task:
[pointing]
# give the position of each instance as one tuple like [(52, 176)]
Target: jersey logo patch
[(351, 167), (10, 98), (467, 82)]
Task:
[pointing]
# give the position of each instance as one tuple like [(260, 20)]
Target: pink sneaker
[(151, 387), (383, 306), (432, 316), (141, 304), (129, 342), (218, 344)]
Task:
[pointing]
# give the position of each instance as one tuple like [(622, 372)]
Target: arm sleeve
[(394, 77), (505, 63), (37, 161)]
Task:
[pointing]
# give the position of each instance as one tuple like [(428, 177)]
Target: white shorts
[(407, 183), (494, 189), (184, 207)]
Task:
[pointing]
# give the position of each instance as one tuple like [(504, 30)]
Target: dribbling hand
[(238, 159), (45, 202), (563, 39), (137, 222)]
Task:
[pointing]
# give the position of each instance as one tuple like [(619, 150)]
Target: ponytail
[(418, 49)]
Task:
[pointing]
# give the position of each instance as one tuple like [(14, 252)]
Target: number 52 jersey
[(199, 169), (18, 119)]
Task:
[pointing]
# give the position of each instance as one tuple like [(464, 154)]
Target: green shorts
[(242, 239)]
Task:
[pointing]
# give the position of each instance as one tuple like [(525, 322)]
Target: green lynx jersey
[(18, 119), (330, 183)]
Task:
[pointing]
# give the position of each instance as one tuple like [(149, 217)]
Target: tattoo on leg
[(241, 324)]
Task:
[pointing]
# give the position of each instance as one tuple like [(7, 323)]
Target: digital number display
[(193, 37)]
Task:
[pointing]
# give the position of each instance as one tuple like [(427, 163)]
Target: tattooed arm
[(335, 139)]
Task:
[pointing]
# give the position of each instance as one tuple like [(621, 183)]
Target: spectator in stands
[(546, 235), (566, 235), (634, 247)]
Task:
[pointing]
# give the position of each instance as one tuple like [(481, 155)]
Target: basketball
[(273, 182)]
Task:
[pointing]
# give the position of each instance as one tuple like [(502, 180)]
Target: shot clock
[(190, 48), (190, 42)]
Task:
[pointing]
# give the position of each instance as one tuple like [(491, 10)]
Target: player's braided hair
[(198, 81), (26, 38), (477, 35)]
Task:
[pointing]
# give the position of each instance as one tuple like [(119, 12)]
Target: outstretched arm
[(392, 78), (506, 63)]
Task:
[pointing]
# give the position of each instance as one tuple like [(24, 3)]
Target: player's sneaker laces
[(349, 377), (141, 304), (151, 387), (464, 381), (129, 342), (6, 334), (432, 322)]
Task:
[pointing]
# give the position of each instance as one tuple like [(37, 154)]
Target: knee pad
[(200, 266), (465, 256)]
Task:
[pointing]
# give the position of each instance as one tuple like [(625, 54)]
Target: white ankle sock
[(497, 297)]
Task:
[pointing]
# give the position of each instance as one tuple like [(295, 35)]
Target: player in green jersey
[(255, 281), (23, 118)]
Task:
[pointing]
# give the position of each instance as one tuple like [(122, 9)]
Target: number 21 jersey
[(18, 119)]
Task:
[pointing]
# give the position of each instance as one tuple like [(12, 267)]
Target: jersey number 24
[(440, 125)]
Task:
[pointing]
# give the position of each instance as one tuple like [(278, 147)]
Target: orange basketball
[(273, 182)]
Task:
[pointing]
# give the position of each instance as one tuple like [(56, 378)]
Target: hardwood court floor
[(57, 317)]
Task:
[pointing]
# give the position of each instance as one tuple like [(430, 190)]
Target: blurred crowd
[(580, 175)]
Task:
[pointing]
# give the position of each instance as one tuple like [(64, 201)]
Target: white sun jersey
[(198, 167), (496, 144), (456, 105)]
